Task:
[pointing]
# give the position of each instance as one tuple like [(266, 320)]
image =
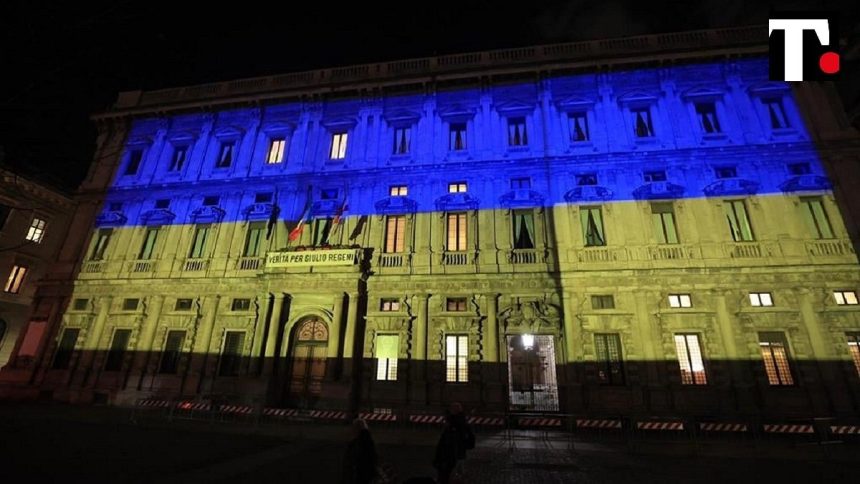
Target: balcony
[(829, 248), (93, 267), (670, 252), (391, 260), (141, 266), (597, 254), (746, 250), (249, 263), (195, 265), (456, 258), (526, 256)]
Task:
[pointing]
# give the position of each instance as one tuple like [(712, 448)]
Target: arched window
[(312, 330)]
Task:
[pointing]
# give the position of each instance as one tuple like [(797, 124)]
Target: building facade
[(644, 226)]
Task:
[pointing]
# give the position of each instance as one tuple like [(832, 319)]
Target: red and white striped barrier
[(427, 419), (788, 429), (660, 425), (845, 429), (540, 422), (279, 412), (328, 414), (723, 427), (152, 403), (488, 421), (194, 406), (237, 409), (598, 424), (378, 417)]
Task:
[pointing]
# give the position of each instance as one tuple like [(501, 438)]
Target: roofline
[(748, 40)]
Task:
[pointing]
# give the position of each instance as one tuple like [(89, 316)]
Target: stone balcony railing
[(249, 263)]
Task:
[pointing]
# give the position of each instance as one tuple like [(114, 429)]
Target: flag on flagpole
[(297, 230), (273, 217), (344, 206)]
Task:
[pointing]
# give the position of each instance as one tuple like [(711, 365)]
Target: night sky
[(60, 63)]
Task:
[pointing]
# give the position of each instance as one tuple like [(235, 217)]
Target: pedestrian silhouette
[(359, 461), (457, 437)]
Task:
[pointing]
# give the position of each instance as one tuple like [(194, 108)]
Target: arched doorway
[(307, 367)]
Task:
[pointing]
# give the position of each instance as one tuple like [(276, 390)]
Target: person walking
[(457, 437), (360, 460)]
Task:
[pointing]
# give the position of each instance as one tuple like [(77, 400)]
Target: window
[(517, 135), (521, 183), (592, 226), (225, 156), (115, 207), (118, 347), (610, 368), (774, 352), (586, 179), (231, 353), (690, 359), (759, 299), (603, 301), (322, 230), (16, 277), (726, 172), (65, 348), (5, 211), (101, 243), (455, 304), (776, 113), (198, 245), (457, 137), (240, 305), (578, 123), (80, 304), (253, 239), (457, 187), (816, 217), (642, 127), (387, 352), (328, 194), (389, 305), (456, 358), (395, 228), (654, 176), (130, 304), (276, 150), (680, 301), (148, 246), (524, 229), (739, 223), (134, 158), (401, 140), (162, 204), (180, 153), (707, 114), (263, 197), (663, 219), (456, 232), (170, 356), (211, 201), (798, 169), (338, 146), (183, 305), (36, 231), (854, 349), (845, 298), (398, 191)]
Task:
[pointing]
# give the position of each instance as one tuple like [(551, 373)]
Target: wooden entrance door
[(308, 361)]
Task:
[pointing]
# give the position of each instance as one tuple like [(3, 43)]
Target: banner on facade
[(305, 258)]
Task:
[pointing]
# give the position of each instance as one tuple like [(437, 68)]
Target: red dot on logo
[(829, 62)]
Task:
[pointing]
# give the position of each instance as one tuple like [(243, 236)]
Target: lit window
[(521, 183), (816, 218), (759, 299), (578, 123), (169, 363), (456, 232), (524, 229), (240, 305), (65, 349), (642, 127), (118, 347), (610, 367), (707, 114), (16, 277), (457, 137), (338, 146), (402, 138), (387, 352), (603, 301), (455, 304), (774, 352), (586, 179), (663, 220), (148, 246), (276, 150), (776, 113), (395, 228), (231, 353), (517, 135), (654, 176), (102, 238), (134, 158), (690, 359), (456, 358), (592, 226), (739, 222), (854, 349), (198, 245), (36, 231), (180, 153), (389, 305), (457, 187), (398, 191), (225, 156), (254, 239), (845, 298), (726, 172), (680, 301)]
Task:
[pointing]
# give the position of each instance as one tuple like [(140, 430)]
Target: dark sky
[(61, 62)]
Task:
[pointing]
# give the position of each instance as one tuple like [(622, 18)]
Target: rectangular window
[(456, 358), (240, 305), (690, 359), (322, 230), (101, 244), (148, 246), (524, 229), (16, 278), (389, 305), (198, 245), (845, 298), (387, 352), (36, 230), (759, 299), (225, 155), (722, 172), (517, 135), (816, 217), (592, 226), (253, 239), (398, 191), (177, 161), (798, 169), (183, 305), (130, 304), (654, 176), (162, 204), (586, 179), (172, 350), (118, 347), (457, 187), (457, 137), (578, 123), (603, 301), (524, 183), (276, 150), (231, 353), (642, 127), (663, 219), (263, 197), (211, 201), (774, 352), (739, 222), (707, 114), (456, 232), (610, 367), (395, 228), (854, 349), (680, 301), (776, 113), (134, 158), (338, 146), (401, 140), (65, 349), (80, 304), (455, 304)]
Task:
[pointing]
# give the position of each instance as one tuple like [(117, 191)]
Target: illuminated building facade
[(641, 226)]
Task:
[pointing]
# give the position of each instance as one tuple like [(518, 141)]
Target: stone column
[(259, 333), (143, 354), (419, 331), (822, 380), (93, 336), (572, 333), (333, 348), (203, 340), (351, 334), (491, 332), (272, 337)]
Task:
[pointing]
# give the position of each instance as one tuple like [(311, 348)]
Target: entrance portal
[(308, 361), (531, 373)]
